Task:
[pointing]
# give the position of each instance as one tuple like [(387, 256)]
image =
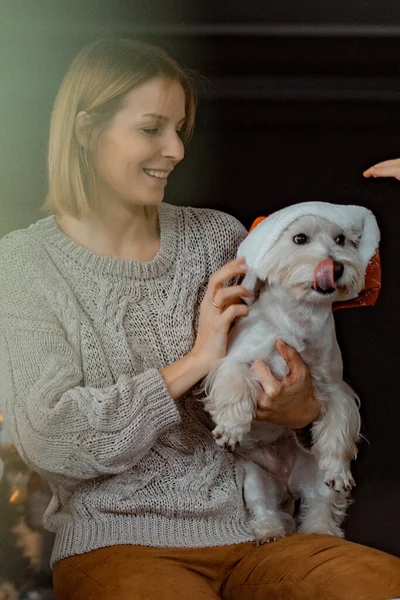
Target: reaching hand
[(220, 307), (290, 402), (387, 168)]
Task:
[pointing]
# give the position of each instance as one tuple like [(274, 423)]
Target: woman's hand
[(387, 168), (220, 307), (290, 402)]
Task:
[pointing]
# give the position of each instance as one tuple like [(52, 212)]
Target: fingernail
[(282, 342)]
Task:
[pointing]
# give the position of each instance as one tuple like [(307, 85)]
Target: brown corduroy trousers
[(298, 567)]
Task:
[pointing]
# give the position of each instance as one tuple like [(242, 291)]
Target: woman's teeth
[(158, 174)]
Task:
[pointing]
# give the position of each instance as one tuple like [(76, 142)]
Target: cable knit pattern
[(82, 339)]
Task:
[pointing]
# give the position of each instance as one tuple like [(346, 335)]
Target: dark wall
[(302, 97)]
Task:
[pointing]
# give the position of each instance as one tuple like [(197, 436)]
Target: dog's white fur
[(276, 467)]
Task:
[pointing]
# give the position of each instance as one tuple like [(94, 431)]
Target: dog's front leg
[(231, 400), (335, 435)]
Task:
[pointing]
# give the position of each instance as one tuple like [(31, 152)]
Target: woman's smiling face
[(141, 146)]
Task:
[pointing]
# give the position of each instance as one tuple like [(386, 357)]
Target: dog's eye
[(340, 240), (300, 238)]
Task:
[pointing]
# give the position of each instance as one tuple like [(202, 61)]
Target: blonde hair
[(96, 83)]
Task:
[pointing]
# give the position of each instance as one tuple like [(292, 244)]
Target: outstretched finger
[(388, 163), (383, 172), (388, 168)]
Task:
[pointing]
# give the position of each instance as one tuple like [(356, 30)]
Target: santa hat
[(262, 238)]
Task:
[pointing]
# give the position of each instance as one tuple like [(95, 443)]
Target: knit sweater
[(82, 339)]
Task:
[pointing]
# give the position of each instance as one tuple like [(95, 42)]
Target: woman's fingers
[(297, 371), (290, 402), (225, 296), (296, 365), (234, 311), (387, 168), (270, 385), (221, 305), (229, 271)]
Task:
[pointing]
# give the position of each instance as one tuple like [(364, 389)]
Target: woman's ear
[(82, 128)]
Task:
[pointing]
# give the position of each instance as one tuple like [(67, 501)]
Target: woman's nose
[(173, 147)]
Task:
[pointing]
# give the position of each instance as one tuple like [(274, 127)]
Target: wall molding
[(280, 30), (315, 89)]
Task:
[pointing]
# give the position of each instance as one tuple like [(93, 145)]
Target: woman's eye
[(340, 240), (180, 133), (150, 130), (300, 238)]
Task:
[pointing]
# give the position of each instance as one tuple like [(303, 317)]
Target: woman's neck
[(133, 236)]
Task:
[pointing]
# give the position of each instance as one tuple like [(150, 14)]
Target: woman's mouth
[(156, 173)]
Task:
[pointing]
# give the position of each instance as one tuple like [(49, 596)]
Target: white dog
[(307, 256)]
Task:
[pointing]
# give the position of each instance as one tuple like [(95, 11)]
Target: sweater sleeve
[(61, 428)]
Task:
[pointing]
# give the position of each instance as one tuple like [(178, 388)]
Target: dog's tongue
[(324, 275)]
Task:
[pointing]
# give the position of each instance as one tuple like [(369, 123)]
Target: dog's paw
[(340, 481), (265, 533), (272, 526), (229, 437), (268, 539), (268, 535)]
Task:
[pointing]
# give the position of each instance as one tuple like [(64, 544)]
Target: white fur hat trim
[(358, 219)]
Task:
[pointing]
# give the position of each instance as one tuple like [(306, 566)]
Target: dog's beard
[(292, 266)]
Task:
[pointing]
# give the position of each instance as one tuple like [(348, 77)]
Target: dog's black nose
[(338, 269)]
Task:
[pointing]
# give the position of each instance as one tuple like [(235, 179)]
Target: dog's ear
[(253, 283), (263, 267), (354, 237), (253, 250)]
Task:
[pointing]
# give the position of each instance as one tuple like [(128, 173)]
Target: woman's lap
[(295, 568), (315, 567), (134, 573)]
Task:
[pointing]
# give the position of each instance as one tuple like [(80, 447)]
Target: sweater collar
[(109, 266)]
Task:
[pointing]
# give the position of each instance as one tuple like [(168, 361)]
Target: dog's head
[(315, 259)]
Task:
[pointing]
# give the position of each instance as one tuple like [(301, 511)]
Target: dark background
[(302, 97)]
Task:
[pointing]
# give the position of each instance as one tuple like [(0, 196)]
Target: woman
[(111, 311)]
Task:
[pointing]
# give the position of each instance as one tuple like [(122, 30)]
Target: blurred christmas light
[(14, 496)]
